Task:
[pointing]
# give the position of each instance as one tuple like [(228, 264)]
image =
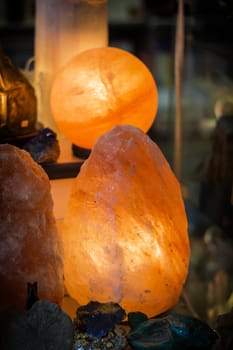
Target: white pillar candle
[(63, 29)]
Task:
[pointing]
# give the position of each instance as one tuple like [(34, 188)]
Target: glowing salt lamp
[(100, 88), (125, 233), (30, 246)]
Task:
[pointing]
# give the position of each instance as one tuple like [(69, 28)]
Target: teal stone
[(135, 319), (153, 334), (170, 331), (192, 332)]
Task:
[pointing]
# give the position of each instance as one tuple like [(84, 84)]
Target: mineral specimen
[(125, 233), (97, 319), (153, 334), (172, 331), (44, 147), (44, 326), (30, 247), (114, 340), (96, 326), (136, 318)]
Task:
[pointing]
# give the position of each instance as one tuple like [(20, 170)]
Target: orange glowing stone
[(30, 245), (101, 88), (125, 233)]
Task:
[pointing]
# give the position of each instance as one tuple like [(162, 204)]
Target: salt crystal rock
[(125, 232), (30, 247)]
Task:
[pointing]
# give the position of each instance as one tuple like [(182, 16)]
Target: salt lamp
[(100, 88), (125, 231), (30, 246)]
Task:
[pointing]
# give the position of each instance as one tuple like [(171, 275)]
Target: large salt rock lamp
[(30, 247), (125, 232), (100, 88)]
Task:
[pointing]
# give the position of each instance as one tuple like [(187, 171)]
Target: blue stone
[(153, 334), (97, 319), (44, 147), (171, 331), (188, 330), (135, 319)]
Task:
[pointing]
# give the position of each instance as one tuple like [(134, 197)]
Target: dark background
[(211, 29)]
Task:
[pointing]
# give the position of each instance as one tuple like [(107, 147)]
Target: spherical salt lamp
[(125, 233), (100, 88)]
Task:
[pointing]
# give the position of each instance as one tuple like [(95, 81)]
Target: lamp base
[(65, 170), (80, 152)]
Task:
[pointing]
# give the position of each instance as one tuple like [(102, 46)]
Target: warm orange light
[(101, 88), (30, 246), (125, 234)]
